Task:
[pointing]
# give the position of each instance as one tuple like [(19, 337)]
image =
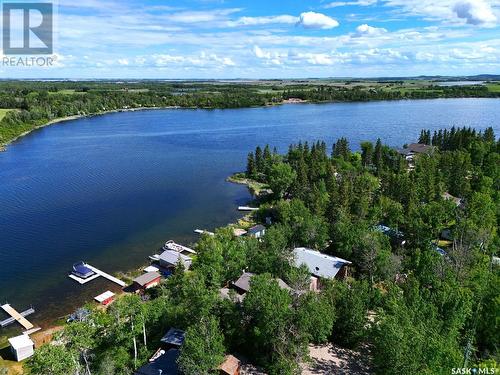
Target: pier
[(98, 273), (15, 316), (201, 231), (247, 208)]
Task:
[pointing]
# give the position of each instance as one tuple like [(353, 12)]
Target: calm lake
[(111, 189)]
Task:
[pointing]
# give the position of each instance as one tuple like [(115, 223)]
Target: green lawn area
[(3, 112), (494, 87)]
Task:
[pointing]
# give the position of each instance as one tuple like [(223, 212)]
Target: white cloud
[(267, 20), (475, 12), (362, 3), (366, 30), (123, 62), (313, 20)]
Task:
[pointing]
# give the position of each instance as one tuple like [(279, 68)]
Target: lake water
[(111, 189)]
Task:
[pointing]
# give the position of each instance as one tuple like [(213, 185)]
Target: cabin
[(230, 366), (105, 298), (257, 231), (81, 270), (22, 347), (163, 364), (147, 280), (242, 285), (170, 258), (173, 339), (320, 265), (410, 151)]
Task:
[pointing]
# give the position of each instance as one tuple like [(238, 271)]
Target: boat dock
[(15, 316), (98, 273), (247, 208), (201, 231)]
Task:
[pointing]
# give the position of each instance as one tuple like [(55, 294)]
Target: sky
[(220, 39)]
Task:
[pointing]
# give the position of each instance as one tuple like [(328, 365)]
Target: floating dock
[(247, 208), (98, 273), (6, 322), (17, 317)]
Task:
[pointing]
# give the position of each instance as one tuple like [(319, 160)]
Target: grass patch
[(3, 112), (493, 87), (256, 188)]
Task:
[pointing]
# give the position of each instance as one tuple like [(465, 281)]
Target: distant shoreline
[(58, 120)]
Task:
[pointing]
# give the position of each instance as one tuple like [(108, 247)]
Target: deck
[(16, 316)]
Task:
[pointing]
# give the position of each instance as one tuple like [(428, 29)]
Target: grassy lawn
[(3, 112), (494, 87)]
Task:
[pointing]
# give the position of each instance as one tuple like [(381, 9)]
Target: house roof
[(20, 342), (256, 229), (238, 232), (420, 148), (166, 363), (230, 365), (319, 264), (147, 278), (448, 197), (104, 296), (172, 257), (174, 336), (243, 282)]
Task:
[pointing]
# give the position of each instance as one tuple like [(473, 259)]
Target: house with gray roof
[(170, 258), (319, 264)]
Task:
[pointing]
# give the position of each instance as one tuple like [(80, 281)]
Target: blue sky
[(271, 39)]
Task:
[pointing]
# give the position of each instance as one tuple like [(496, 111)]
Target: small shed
[(147, 280), (174, 338), (257, 231), (105, 298), (230, 366), (22, 347)]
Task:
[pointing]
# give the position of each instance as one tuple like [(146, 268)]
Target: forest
[(418, 310), (25, 105)]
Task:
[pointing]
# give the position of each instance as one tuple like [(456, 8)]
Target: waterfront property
[(22, 347), (257, 231), (147, 281), (105, 298), (169, 259), (320, 265)]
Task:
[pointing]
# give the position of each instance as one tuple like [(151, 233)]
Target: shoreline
[(3, 146)]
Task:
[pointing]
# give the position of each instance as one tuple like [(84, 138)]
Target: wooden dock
[(98, 273), (16, 316), (6, 322)]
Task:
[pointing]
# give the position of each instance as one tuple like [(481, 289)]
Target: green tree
[(203, 348), (53, 360), (281, 176)]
